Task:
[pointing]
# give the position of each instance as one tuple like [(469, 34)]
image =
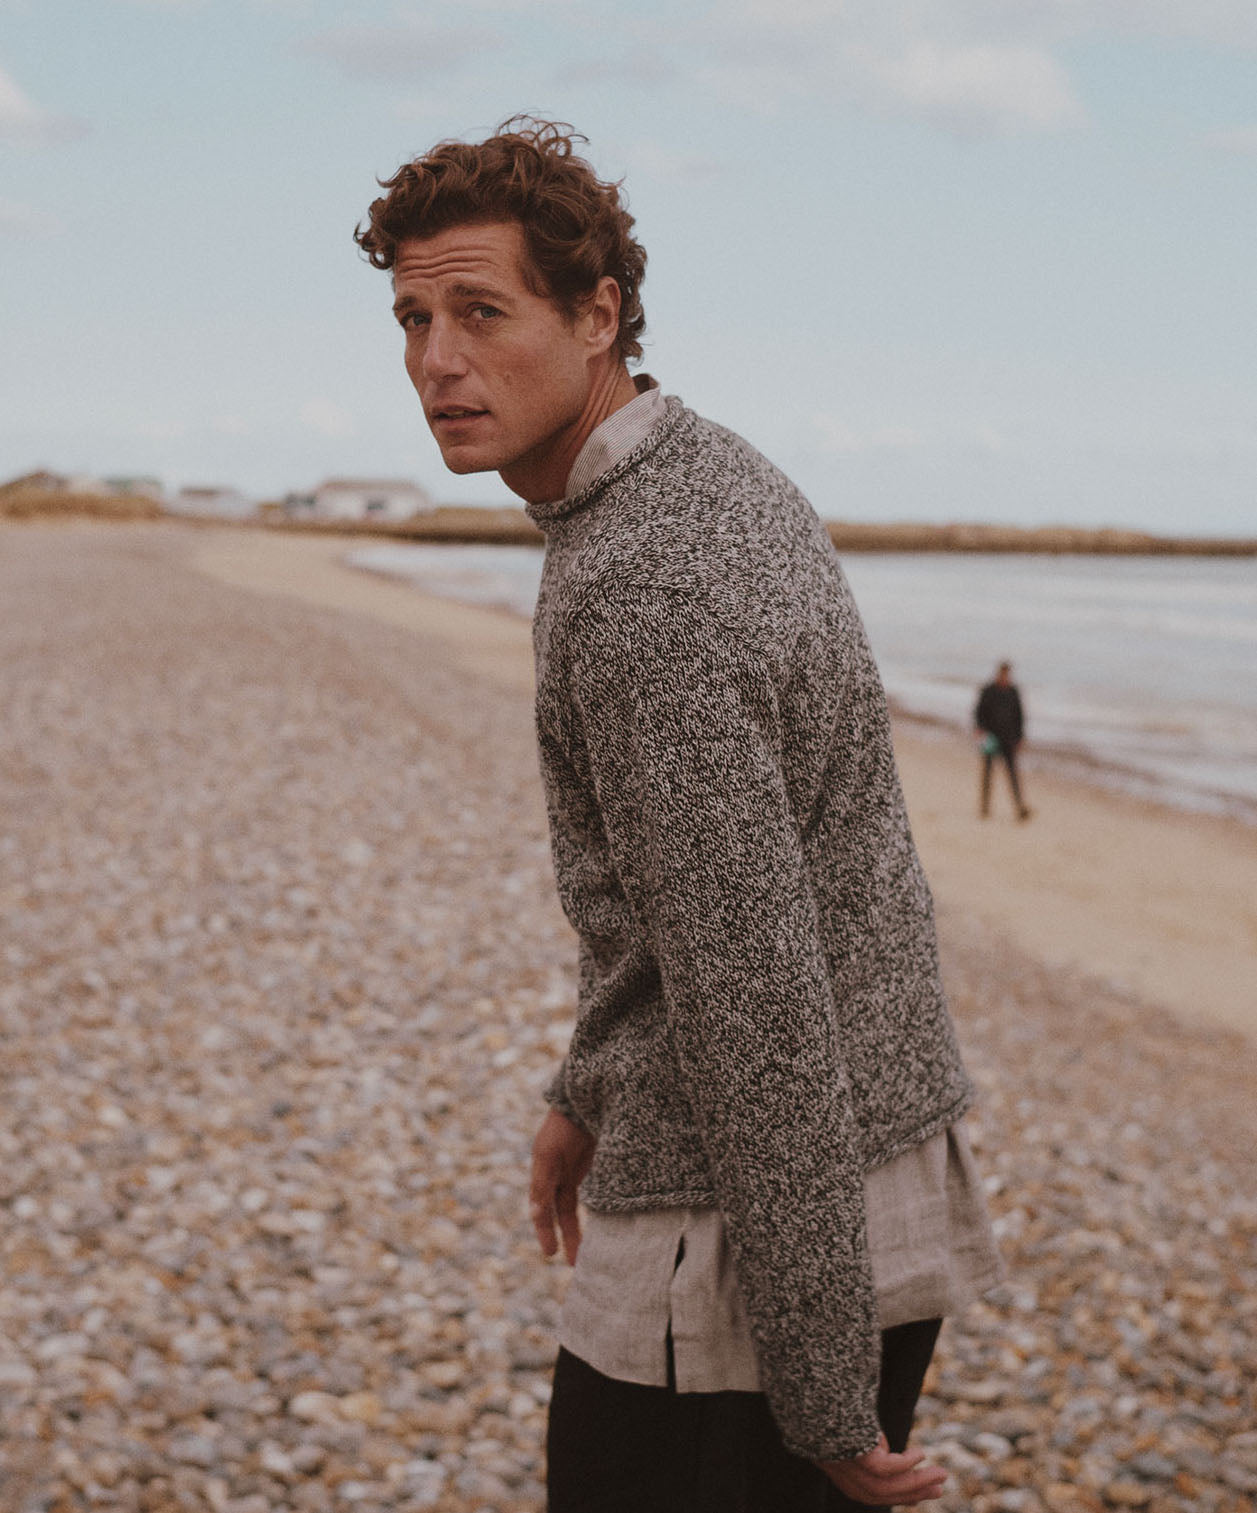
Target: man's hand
[(883, 1478), (561, 1155)]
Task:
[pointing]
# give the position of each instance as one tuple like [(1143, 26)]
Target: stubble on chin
[(461, 465)]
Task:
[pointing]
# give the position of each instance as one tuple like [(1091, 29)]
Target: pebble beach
[(282, 975)]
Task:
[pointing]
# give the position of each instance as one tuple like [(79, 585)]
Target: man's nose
[(443, 350)]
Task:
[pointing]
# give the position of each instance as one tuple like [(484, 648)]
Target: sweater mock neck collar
[(627, 436)]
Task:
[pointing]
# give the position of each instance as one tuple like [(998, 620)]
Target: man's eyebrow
[(406, 302), (477, 291)]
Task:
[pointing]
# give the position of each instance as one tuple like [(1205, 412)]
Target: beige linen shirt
[(931, 1248), (640, 1275)]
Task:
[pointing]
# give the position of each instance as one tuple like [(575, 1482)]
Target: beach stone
[(275, 1459), (1237, 1475), (362, 1407), (1153, 1467), (445, 1374), (194, 1450), (987, 1391), (1013, 1424), (1128, 1494), (1015, 1500), (1061, 1498), (316, 1407)]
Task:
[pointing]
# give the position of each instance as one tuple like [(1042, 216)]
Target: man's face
[(502, 374)]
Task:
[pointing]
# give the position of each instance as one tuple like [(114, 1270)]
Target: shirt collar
[(618, 434)]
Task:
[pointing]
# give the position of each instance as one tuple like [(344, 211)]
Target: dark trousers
[(617, 1447), (1007, 755)]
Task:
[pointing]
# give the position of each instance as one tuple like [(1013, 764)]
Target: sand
[(1154, 902)]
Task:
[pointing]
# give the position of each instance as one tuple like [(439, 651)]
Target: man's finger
[(569, 1221), (878, 1496), (543, 1227), (911, 1486), (541, 1208), (569, 1228), (888, 1462)]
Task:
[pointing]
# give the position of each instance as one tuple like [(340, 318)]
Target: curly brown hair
[(576, 227)]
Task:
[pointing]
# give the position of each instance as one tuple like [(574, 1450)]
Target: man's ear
[(602, 315)]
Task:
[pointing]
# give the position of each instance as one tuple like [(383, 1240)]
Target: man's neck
[(538, 478)]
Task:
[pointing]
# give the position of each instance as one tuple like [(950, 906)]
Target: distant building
[(361, 499), (210, 499), (85, 483), (139, 487), (45, 481), (42, 479)]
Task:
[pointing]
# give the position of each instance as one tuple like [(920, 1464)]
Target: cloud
[(1223, 23), (400, 51), (1241, 140), (327, 418), (970, 67), (962, 66), (25, 220), (21, 120), (980, 88)]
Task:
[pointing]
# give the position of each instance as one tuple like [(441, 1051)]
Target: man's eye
[(413, 320), (485, 312)]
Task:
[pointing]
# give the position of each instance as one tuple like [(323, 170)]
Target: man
[(760, 1099), (1000, 726)]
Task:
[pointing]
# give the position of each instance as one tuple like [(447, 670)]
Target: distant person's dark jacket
[(999, 712)]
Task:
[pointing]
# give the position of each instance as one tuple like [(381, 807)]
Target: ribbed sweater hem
[(699, 1192)]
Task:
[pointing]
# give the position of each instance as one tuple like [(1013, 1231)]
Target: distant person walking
[(1001, 724)]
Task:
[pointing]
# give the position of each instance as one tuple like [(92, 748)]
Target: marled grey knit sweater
[(760, 1018)]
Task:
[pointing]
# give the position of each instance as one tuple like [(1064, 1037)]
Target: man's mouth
[(457, 412)]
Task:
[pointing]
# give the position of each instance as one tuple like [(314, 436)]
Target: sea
[(1137, 672)]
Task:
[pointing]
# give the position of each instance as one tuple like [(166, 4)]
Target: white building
[(210, 499), (363, 499)]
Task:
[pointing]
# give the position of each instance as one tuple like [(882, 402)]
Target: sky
[(938, 259)]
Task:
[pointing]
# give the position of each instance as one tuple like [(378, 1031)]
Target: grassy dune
[(46, 504)]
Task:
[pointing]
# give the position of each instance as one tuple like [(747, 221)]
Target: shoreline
[(1146, 899), (509, 525), (1071, 761)]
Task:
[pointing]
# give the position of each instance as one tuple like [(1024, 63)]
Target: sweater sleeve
[(682, 731), (556, 1096)]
